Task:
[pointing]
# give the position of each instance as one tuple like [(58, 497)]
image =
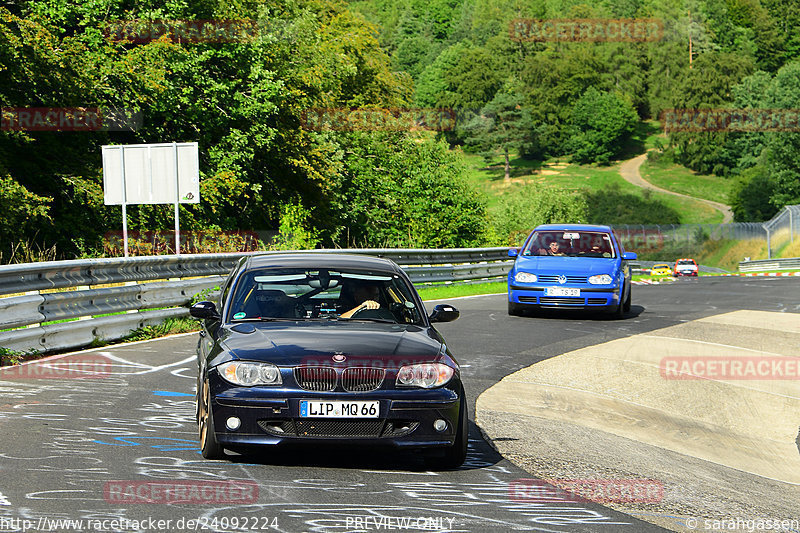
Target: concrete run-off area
[(708, 408)]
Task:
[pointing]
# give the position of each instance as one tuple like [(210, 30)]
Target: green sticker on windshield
[(237, 316)]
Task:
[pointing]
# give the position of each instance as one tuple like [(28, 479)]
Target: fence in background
[(685, 239), (145, 291), (782, 228)]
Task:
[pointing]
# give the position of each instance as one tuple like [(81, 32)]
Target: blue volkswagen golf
[(570, 266)]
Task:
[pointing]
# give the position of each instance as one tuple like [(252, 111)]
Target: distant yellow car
[(662, 269)]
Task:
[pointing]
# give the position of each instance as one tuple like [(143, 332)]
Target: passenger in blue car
[(600, 247)]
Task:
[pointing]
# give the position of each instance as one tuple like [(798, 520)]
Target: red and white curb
[(769, 274), (651, 282)]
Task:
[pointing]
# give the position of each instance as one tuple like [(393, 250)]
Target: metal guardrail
[(761, 265), (151, 284)]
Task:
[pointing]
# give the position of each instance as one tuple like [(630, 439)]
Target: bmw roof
[(311, 259)]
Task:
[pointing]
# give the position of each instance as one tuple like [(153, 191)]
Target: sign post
[(165, 173), (124, 203)]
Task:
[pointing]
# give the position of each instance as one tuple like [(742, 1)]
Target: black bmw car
[(326, 349)]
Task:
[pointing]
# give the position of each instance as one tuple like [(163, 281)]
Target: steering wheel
[(381, 313)]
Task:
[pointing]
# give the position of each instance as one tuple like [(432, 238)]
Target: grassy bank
[(680, 179), (561, 174)]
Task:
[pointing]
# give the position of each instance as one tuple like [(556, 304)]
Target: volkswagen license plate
[(561, 291)]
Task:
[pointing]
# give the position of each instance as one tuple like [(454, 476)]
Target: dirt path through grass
[(630, 172)]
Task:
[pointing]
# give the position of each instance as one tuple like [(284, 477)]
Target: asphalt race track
[(77, 449)]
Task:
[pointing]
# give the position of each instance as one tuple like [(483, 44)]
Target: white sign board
[(166, 173), (153, 174)]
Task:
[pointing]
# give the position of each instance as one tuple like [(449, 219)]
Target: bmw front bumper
[(270, 416)]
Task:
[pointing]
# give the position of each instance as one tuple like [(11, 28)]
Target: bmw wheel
[(209, 446)]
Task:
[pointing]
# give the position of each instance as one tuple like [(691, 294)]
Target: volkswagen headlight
[(248, 374), (524, 277), (601, 279), (425, 375)]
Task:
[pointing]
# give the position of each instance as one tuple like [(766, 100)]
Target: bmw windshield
[(302, 294), (570, 244)]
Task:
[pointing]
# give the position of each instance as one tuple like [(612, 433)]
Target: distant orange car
[(685, 267)]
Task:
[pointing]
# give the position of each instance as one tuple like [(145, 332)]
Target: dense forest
[(246, 100)]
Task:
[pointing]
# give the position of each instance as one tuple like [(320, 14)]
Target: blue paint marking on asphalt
[(170, 393), (123, 441)]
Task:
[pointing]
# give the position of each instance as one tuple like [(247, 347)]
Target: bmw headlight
[(248, 374), (601, 279), (524, 277), (425, 375)]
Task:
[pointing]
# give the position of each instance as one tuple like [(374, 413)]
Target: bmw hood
[(315, 343)]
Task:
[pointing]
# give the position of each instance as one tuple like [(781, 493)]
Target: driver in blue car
[(367, 294), (552, 249)]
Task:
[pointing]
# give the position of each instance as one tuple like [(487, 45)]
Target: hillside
[(332, 120)]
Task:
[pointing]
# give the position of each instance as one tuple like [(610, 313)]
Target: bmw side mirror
[(513, 252), (204, 310), (444, 313), (629, 256)]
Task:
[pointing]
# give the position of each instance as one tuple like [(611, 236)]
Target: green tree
[(526, 207), (295, 231), (751, 194), (401, 190), (767, 161), (601, 125), (502, 124), (461, 77), (242, 101), (22, 212), (552, 81), (709, 84)]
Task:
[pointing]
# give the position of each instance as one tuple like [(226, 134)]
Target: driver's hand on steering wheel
[(369, 304)]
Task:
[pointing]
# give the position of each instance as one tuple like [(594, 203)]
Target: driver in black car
[(367, 294)]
